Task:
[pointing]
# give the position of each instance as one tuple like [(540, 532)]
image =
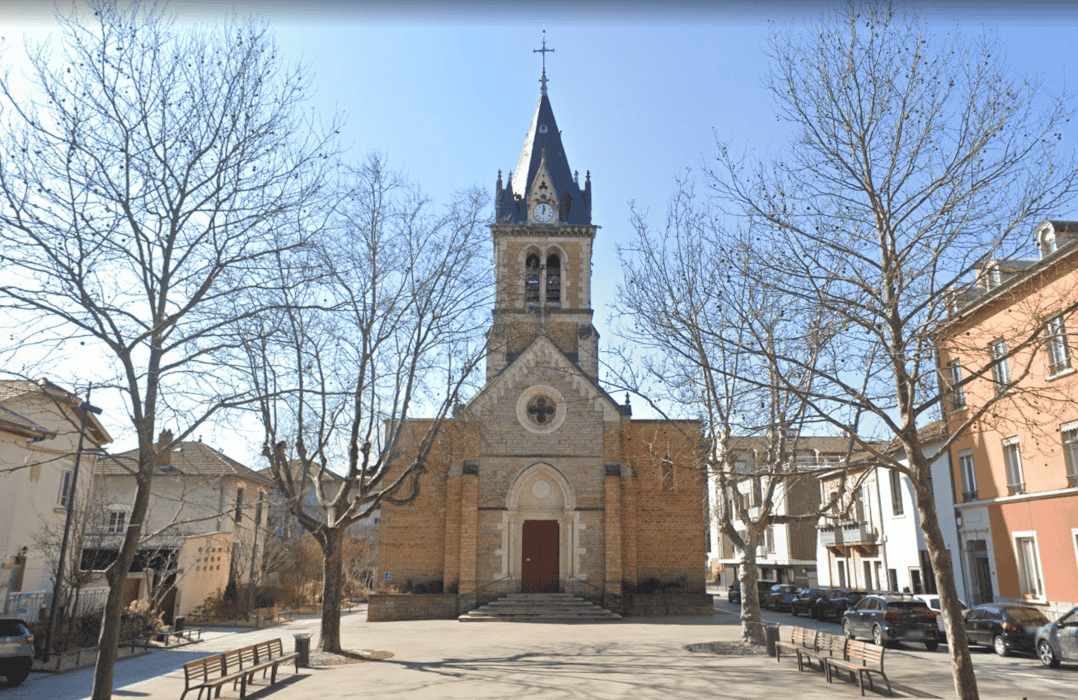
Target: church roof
[(542, 351), (543, 142)]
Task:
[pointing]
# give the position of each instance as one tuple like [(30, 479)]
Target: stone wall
[(385, 607)]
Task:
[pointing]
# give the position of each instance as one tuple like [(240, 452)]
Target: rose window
[(541, 410)]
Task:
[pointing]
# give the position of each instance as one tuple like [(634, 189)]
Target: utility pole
[(50, 631)]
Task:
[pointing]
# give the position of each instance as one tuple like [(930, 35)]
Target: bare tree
[(390, 325), (912, 158), (146, 177), (713, 339)]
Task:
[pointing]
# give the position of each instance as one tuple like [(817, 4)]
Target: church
[(543, 482)]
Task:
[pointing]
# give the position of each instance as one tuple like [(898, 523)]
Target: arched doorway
[(540, 529)]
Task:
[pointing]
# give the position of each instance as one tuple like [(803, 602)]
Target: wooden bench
[(237, 667), (802, 643), (862, 659), (830, 646)]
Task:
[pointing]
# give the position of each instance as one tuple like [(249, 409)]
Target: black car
[(1004, 626), (733, 594), (820, 604), (779, 597), (891, 618)]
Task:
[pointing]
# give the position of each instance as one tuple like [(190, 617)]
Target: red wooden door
[(539, 556)]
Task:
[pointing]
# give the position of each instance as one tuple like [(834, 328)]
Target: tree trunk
[(752, 629), (332, 588), (109, 638), (965, 682)]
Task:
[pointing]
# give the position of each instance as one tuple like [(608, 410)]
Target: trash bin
[(178, 623), (303, 648), (771, 637)]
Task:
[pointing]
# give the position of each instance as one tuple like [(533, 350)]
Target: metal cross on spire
[(544, 51)]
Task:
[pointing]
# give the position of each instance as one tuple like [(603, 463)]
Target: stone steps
[(538, 607)]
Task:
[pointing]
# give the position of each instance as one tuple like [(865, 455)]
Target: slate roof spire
[(544, 138), (543, 147)]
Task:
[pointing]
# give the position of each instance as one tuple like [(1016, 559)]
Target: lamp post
[(50, 632)]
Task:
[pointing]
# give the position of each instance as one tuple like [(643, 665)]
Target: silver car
[(1058, 641), (16, 650)]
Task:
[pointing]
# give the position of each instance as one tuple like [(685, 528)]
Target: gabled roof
[(543, 143), (11, 390), (541, 350), (189, 459), (12, 422)]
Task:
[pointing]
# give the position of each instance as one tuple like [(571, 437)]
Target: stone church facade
[(543, 482)]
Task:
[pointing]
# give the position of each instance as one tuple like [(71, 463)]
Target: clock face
[(543, 212)]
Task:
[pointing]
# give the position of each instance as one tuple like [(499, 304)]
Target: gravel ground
[(728, 648), (348, 656)]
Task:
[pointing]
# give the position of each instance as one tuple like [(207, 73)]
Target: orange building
[(543, 482), (1007, 360)]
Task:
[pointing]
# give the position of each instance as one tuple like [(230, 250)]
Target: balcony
[(830, 535), (969, 495), (857, 533)]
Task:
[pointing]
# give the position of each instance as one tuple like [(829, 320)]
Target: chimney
[(164, 456)]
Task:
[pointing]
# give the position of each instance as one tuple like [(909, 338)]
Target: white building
[(879, 544), (39, 435), (204, 524)]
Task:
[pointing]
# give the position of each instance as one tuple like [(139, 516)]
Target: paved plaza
[(633, 658)]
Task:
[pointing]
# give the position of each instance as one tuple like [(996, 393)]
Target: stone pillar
[(628, 524), (451, 577), (469, 535), (612, 529)]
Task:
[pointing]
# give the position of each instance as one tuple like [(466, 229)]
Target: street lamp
[(50, 632)]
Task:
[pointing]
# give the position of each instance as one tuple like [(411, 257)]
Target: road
[(1022, 669)]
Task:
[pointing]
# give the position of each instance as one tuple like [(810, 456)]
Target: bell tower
[(542, 251)]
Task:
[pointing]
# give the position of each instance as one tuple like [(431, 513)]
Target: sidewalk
[(635, 658)]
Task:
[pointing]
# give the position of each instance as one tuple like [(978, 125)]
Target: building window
[(769, 539), (954, 389), (969, 476), (1029, 565), (531, 279), (1012, 457), (1001, 370), (756, 491), (553, 279), (1059, 353), (239, 505), (1069, 435), (896, 492), (116, 522), (667, 475), (64, 497)]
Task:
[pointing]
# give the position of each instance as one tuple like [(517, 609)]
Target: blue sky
[(640, 90)]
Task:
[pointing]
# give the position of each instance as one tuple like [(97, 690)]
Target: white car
[(932, 600)]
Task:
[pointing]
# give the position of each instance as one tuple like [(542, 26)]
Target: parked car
[(1058, 641), (16, 650), (821, 604), (733, 594), (779, 597), (890, 618), (1004, 626), (932, 600)]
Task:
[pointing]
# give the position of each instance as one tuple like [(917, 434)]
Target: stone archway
[(539, 494)]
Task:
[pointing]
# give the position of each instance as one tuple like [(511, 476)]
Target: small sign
[(387, 576)]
